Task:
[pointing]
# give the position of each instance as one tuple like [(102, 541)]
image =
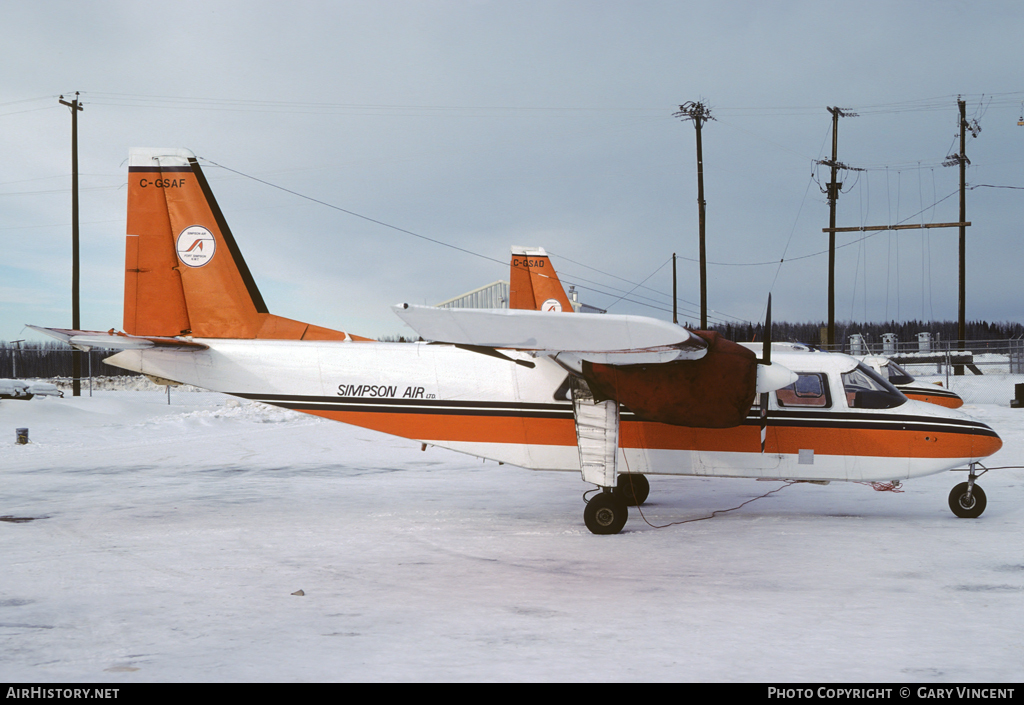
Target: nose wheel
[(967, 500), (967, 504)]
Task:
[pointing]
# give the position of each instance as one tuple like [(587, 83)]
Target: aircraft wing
[(658, 370), (605, 339), (88, 339)]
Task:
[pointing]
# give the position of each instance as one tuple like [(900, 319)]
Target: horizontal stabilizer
[(544, 332), (88, 339)]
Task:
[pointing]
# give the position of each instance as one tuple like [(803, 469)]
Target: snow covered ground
[(994, 386), (166, 543)]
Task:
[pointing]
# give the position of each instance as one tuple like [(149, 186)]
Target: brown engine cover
[(715, 391)]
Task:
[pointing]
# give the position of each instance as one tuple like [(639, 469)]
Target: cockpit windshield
[(896, 374), (866, 389)]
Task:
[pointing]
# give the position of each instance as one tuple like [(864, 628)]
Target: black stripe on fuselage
[(937, 392), (415, 406), (791, 419), (861, 420)]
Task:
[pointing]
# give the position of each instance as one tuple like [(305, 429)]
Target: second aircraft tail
[(533, 283)]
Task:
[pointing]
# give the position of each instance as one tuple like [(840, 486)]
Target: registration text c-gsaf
[(162, 183)]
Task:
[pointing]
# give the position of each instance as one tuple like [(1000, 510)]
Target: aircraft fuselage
[(496, 409)]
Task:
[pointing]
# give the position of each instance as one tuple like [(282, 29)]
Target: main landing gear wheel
[(606, 513), (967, 507), (634, 488)]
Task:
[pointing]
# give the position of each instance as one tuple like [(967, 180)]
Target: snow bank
[(122, 383)]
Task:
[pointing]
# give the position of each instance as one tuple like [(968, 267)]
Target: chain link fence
[(54, 363), (981, 372)]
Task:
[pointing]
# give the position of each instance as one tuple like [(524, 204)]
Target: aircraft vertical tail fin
[(533, 283), (184, 272), (154, 302)]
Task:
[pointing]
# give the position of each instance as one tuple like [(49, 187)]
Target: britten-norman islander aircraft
[(614, 397)]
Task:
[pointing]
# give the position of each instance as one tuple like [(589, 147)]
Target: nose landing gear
[(967, 500)]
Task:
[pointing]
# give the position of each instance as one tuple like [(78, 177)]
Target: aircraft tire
[(606, 513), (634, 488), (963, 508)]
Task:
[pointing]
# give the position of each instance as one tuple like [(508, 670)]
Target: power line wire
[(410, 232)]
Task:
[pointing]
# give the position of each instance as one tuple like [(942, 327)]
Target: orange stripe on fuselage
[(789, 440), (948, 401), (848, 440), (460, 428)]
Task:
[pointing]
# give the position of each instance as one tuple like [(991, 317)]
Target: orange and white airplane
[(906, 383), (614, 397)]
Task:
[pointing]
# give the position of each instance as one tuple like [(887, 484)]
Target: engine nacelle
[(715, 391)]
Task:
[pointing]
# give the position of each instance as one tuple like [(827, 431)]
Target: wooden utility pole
[(951, 160), (76, 355), (962, 161), (699, 114), (962, 307), (675, 299), (832, 192)]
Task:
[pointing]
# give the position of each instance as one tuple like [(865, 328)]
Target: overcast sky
[(484, 125)]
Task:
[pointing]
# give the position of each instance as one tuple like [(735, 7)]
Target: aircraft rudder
[(154, 301)]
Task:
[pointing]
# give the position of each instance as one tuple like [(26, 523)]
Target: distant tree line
[(942, 332), (906, 332)]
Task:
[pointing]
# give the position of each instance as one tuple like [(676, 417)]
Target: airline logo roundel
[(195, 246)]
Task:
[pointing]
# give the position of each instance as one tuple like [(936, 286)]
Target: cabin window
[(808, 390), (866, 389)]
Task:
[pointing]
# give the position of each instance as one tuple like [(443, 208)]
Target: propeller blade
[(764, 419), (766, 360)]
